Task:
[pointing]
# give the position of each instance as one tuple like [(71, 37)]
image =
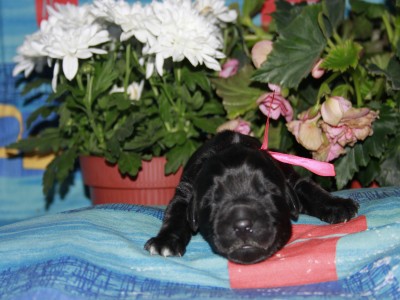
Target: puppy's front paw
[(340, 210), (165, 246)]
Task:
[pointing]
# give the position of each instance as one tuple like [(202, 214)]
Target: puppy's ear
[(192, 215), (293, 202)]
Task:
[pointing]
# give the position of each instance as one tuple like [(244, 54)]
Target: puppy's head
[(243, 206)]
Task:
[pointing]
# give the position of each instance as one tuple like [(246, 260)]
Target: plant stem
[(127, 67), (324, 88), (178, 74), (89, 88), (88, 103), (337, 38), (389, 29), (79, 81), (153, 86), (331, 45), (357, 88)]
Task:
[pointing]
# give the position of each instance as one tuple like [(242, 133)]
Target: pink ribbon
[(318, 167)]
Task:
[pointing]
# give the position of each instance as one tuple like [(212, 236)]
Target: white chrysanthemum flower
[(74, 44), (103, 9), (30, 55), (216, 10), (69, 15), (69, 34), (134, 90), (184, 33), (135, 20)]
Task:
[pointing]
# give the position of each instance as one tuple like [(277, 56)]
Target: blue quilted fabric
[(97, 253)]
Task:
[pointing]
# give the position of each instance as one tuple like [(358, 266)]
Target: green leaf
[(113, 148), (47, 141), (110, 118), (342, 90), (126, 129), (59, 169), (368, 174), (251, 7), (129, 163), (196, 101), (398, 48), (363, 153), (65, 117), (179, 155), (346, 167), (371, 10), (104, 77), (171, 139), (209, 125), (62, 89), (342, 57), (295, 52), (165, 109), (194, 79), (334, 10), (393, 73), (34, 85), (43, 111), (210, 107), (237, 93), (390, 167), (285, 13), (146, 138), (363, 28)]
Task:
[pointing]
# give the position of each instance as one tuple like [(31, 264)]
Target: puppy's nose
[(243, 226)]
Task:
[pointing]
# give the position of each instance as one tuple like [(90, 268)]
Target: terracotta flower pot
[(107, 185), (355, 184)]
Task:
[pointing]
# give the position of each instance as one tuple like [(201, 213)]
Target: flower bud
[(316, 71), (87, 68), (229, 68), (237, 125), (260, 51)]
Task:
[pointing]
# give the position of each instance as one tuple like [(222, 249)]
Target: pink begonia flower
[(275, 88), (356, 125), (260, 51), (274, 105), (237, 125), (307, 131), (328, 151), (229, 68), (333, 110), (341, 125), (316, 71)]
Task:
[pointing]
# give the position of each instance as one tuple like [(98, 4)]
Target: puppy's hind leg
[(317, 202)]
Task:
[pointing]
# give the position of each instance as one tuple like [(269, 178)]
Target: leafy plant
[(124, 97), (357, 51)]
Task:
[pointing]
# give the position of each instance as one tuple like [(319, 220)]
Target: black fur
[(242, 201)]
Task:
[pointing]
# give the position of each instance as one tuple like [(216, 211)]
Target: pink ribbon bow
[(318, 167)]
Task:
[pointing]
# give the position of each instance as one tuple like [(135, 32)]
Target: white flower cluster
[(70, 33), (175, 29)]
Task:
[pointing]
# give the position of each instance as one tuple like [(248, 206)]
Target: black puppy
[(242, 201)]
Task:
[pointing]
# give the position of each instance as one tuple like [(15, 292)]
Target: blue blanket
[(97, 253)]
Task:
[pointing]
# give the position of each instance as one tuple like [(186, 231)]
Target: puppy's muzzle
[(242, 223), (247, 255)]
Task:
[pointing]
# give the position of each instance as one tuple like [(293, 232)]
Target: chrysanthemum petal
[(70, 66)]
